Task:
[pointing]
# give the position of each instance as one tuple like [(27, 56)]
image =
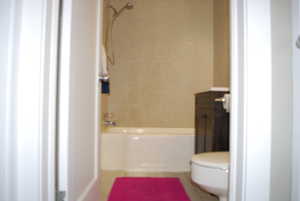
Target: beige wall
[(221, 43), (164, 55)]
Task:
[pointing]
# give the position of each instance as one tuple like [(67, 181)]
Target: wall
[(221, 43), (282, 108), (164, 54)]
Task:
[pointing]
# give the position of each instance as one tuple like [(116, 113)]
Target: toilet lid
[(218, 160)]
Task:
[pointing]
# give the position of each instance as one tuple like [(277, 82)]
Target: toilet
[(210, 171)]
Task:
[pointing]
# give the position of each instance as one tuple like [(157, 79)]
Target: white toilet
[(210, 171)]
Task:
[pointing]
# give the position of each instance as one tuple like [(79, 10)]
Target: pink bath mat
[(147, 189)]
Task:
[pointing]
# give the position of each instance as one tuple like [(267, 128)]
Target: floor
[(193, 191)]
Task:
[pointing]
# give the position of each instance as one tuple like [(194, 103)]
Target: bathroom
[(159, 55)]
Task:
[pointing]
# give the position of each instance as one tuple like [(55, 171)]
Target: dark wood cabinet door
[(211, 123), (204, 124), (221, 130)]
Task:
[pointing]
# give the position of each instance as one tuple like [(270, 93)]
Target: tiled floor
[(195, 194)]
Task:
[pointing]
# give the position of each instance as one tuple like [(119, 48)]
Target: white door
[(78, 150)]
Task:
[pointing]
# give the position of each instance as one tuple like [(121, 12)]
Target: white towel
[(104, 66)]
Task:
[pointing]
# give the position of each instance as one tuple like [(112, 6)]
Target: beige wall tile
[(164, 55)]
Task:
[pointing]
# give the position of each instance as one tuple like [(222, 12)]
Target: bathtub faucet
[(110, 123)]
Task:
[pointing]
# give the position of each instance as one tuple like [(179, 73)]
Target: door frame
[(296, 84), (32, 135), (30, 106), (251, 50)]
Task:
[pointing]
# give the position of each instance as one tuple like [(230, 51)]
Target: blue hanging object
[(105, 87)]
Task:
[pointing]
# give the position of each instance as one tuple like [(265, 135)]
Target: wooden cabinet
[(211, 123)]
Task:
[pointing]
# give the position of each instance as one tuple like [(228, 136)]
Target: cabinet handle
[(222, 100)]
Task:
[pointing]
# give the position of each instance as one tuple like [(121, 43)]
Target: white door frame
[(29, 106), (296, 85), (30, 138), (251, 51)]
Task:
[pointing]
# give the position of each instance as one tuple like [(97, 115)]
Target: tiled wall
[(164, 55), (221, 43)]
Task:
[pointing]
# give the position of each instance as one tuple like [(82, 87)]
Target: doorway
[(252, 150), (155, 72)]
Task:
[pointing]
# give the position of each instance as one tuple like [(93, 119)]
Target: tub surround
[(164, 54), (166, 51)]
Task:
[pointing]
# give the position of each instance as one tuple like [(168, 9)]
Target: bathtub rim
[(148, 131)]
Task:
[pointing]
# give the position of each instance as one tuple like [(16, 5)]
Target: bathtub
[(147, 149)]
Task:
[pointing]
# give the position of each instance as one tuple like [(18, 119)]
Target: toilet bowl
[(210, 171)]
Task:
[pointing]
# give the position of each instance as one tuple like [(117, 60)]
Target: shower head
[(117, 13), (129, 6)]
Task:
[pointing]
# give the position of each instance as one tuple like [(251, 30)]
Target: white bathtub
[(147, 149)]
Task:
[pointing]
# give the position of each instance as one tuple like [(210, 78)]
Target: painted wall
[(221, 43), (282, 105), (164, 54)]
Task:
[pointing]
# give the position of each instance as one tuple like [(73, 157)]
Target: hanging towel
[(105, 87), (104, 66), (104, 72)]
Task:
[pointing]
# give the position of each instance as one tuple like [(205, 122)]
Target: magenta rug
[(147, 189)]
